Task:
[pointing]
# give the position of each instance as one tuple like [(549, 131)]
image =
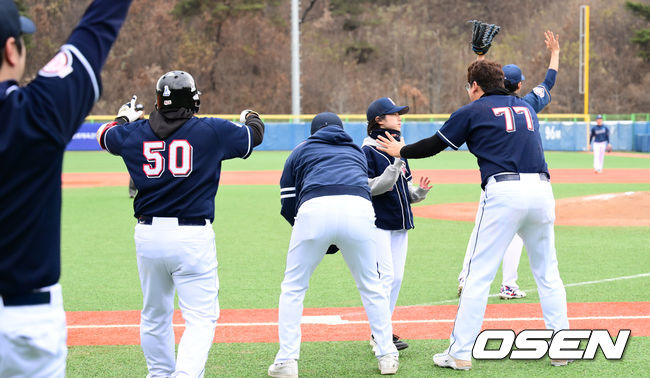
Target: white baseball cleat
[(388, 364), (286, 369), (509, 293), (445, 360)]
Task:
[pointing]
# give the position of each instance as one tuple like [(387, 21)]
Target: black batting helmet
[(177, 89)]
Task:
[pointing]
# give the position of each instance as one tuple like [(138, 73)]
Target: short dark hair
[(19, 47), (487, 74), (511, 87), (373, 124)]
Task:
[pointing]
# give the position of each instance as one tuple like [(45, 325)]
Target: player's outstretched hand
[(389, 145), (425, 183), (552, 41), (247, 113), (129, 111)]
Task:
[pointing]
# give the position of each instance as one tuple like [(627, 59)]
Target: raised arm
[(70, 84), (553, 44)]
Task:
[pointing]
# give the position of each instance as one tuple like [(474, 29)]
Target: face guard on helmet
[(177, 89)]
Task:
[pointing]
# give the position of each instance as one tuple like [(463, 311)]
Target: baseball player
[(38, 120), (599, 142), (502, 131), (325, 197), (538, 98), (392, 193), (175, 160)]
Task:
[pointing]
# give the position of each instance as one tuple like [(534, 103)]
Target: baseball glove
[(609, 148), (482, 36)]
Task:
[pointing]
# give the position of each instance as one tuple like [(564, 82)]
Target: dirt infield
[(438, 176), (350, 323), (612, 209)]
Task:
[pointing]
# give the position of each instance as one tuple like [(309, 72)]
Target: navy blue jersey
[(599, 134), (178, 176), (501, 131), (328, 163), (540, 96), (37, 123), (393, 208)]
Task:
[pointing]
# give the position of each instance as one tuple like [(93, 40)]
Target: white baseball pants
[(348, 222), (182, 258), (33, 338), (511, 260), (599, 155), (526, 207), (391, 258)]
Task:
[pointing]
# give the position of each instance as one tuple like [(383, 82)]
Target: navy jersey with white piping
[(177, 176), (599, 134), (327, 163), (38, 120), (501, 131), (392, 208), (540, 96)]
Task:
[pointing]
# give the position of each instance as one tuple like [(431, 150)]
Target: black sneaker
[(399, 344)]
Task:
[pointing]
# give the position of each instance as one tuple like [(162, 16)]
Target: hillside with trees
[(354, 51)]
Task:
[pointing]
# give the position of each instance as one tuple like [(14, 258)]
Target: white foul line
[(336, 320), (566, 285)]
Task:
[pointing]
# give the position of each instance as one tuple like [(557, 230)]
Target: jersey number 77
[(180, 157), (509, 114)]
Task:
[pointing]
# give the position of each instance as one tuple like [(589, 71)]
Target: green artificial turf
[(351, 359), (100, 161), (99, 270)]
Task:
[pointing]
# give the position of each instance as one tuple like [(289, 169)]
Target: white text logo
[(534, 344)]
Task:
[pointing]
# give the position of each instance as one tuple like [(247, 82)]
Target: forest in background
[(352, 52)]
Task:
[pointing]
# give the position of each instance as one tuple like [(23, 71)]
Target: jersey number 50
[(509, 114), (180, 158)]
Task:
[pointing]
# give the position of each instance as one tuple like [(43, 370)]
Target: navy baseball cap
[(512, 74), (384, 106), (599, 116), (11, 23), (325, 119)]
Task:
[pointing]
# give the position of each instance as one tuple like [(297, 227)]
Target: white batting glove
[(128, 111), (244, 114)]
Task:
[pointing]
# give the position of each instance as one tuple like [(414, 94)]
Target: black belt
[(515, 177), (145, 219), (35, 298)]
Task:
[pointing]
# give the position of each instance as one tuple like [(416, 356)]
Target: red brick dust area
[(612, 209), (351, 323)]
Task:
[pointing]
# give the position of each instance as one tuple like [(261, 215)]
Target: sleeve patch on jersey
[(60, 66), (539, 91)]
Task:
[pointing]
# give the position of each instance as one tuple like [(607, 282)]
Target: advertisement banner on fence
[(556, 136)]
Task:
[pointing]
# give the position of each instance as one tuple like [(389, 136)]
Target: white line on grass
[(336, 320), (455, 300)]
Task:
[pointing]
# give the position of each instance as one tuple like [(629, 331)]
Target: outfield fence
[(557, 135)]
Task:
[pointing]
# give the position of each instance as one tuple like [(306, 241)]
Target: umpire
[(38, 120)]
